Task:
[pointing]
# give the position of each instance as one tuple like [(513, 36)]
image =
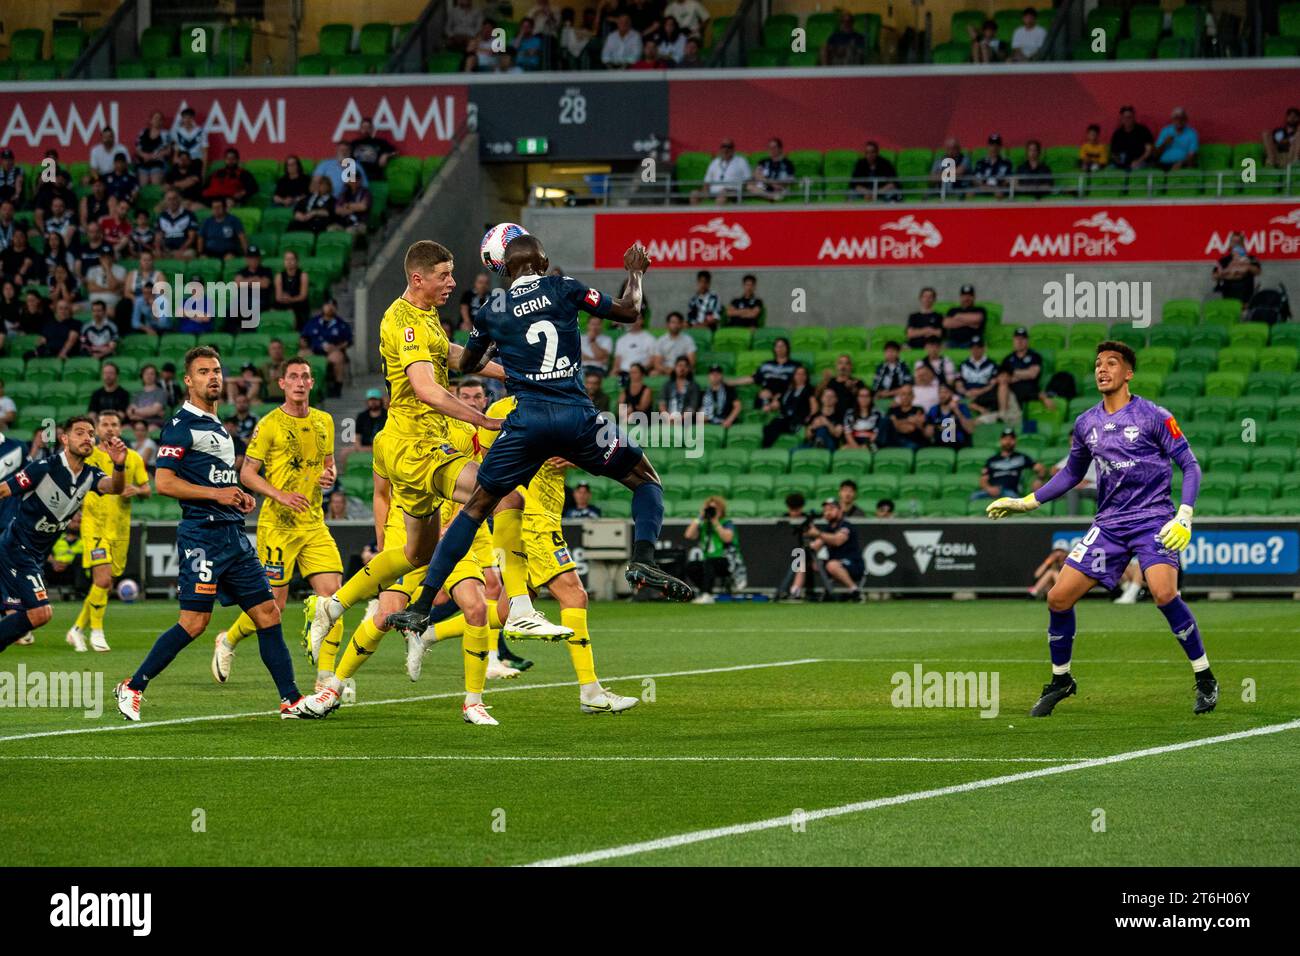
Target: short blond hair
[(424, 255)]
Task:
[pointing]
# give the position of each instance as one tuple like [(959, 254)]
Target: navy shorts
[(218, 563), (854, 565), (22, 585), (538, 430)]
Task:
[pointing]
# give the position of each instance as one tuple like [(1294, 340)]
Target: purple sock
[(1183, 624), (1060, 636)]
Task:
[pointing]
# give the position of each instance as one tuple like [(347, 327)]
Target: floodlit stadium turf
[(763, 715)]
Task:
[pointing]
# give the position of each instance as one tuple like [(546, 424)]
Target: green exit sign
[(531, 146)]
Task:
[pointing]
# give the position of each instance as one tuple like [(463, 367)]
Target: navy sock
[(1183, 623), (270, 644), (648, 516), (442, 612), (455, 544), (170, 643), (12, 627), (1060, 636)]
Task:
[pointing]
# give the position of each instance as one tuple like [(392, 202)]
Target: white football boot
[(607, 702), (348, 695), (498, 671), (534, 626), (415, 648), (128, 701), (327, 611), (98, 642), (300, 709), (478, 714), (223, 656), (77, 638)]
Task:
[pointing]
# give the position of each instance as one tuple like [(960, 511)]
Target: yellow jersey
[(293, 452), (109, 516), (408, 335), (544, 495)]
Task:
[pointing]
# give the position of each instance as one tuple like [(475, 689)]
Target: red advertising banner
[(263, 121), (992, 234)]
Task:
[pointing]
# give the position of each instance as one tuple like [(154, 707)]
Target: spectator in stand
[(892, 375), (950, 168), (99, 335), (94, 205), (482, 50), (597, 347), (106, 283), (545, 19), (472, 299), (60, 220), (340, 507), (231, 182), (825, 428), (1131, 145), (1020, 376), (725, 177), (193, 315), (12, 181), (965, 320), (8, 409), (231, 424), (622, 46), (20, 263), (635, 395), (862, 421), (651, 58), (673, 346), (1002, 472), (645, 15), (1093, 154), (245, 420), (222, 235), (672, 41), (464, 20), (247, 382), (1028, 38), (371, 151), (985, 47), (773, 377), (8, 223), (330, 336), (634, 347), (925, 388), (110, 394), (845, 46), (352, 210), (582, 506), (35, 316), (169, 383), (254, 272), (11, 306), (103, 153), (150, 312), (144, 446), (579, 47), (848, 495), (719, 402), (885, 508), (370, 422), (594, 383), (927, 324), (691, 57), (993, 170), (1234, 274), (705, 308), (153, 147), (906, 422), (64, 286), (774, 173), (680, 396), (843, 381), (950, 423), (46, 191), (794, 408), (746, 310), (116, 226), (315, 211), (178, 229), (189, 137), (1033, 176), (716, 534), (977, 379), (529, 46), (293, 185), (1177, 144), (272, 370), (185, 175), (291, 288), (58, 254), (143, 236), (691, 16), (149, 405), (1281, 146), (843, 562), (938, 363), (875, 177), (64, 560)]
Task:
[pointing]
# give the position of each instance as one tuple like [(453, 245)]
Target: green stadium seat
[(892, 461), (1229, 458), (1247, 506), (1285, 507), (1133, 48), (1225, 384), (1278, 358), (935, 461), (1181, 312), (1171, 335), (810, 461), (313, 65), (769, 461), (1265, 483), (1271, 384), (1222, 311), (335, 40)]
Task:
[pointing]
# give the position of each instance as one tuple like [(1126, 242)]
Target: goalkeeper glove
[(1006, 506), (1177, 532)]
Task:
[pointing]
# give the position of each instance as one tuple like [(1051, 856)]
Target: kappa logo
[(1110, 426), (1131, 432)]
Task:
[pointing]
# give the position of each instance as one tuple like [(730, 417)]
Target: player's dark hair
[(110, 412), (525, 250), (470, 381), (67, 425), (114, 364), (885, 503), (795, 500), (851, 483), (1126, 353), (198, 352), (296, 360), (424, 255)]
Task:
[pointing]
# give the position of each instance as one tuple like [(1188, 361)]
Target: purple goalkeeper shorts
[(1103, 554)]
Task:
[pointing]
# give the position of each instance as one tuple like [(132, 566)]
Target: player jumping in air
[(196, 466), (536, 333), (1132, 441), (51, 491)]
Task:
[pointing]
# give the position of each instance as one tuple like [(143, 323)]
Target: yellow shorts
[(113, 551), (411, 584), (422, 474), (311, 551), (548, 556)]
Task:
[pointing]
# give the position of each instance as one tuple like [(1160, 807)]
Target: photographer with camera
[(791, 586), (716, 555)]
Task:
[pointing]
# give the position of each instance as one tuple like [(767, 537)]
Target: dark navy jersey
[(538, 340), (199, 449), (13, 455), (50, 496)]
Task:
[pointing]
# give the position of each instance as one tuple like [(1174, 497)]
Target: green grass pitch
[(731, 743)]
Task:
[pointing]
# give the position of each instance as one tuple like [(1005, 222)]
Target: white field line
[(514, 758), (110, 711), (776, 823), (1043, 660)]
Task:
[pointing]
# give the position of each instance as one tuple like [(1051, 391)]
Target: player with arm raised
[(294, 445), (50, 491), (1133, 441), (535, 328), (196, 466)]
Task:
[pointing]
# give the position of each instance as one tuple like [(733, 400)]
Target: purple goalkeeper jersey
[(1134, 449)]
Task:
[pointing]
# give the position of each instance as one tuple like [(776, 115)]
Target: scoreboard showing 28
[(568, 121)]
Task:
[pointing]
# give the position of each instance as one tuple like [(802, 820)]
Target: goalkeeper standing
[(1133, 442)]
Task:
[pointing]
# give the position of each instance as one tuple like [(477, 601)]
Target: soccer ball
[(127, 590), (492, 250)]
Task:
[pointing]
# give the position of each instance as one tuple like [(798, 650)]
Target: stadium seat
[(769, 461), (892, 461)]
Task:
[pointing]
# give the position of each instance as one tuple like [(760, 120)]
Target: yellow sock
[(452, 627), (364, 641), (476, 657), (97, 599), (383, 569), (83, 618), (494, 617), (584, 662), (242, 628), (329, 647), (508, 543)]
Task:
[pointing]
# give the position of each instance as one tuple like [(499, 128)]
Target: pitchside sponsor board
[(1235, 551)]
